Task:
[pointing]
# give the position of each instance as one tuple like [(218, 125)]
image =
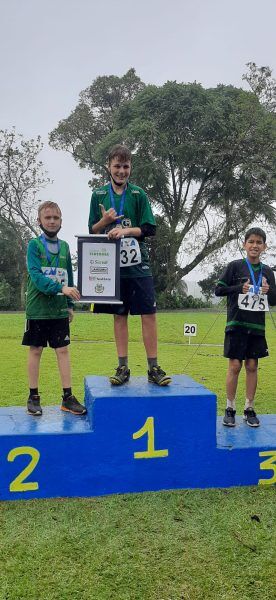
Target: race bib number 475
[(253, 302), (130, 254)]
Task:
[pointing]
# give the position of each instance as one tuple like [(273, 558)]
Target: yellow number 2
[(268, 464), (148, 428), (18, 485)]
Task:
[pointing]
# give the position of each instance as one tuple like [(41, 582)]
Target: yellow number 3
[(18, 485), (270, 464)]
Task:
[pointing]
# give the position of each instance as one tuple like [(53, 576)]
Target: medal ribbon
[(256, 285), (44, 242), (122, 202)]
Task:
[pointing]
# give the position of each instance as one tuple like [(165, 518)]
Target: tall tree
[(21, 177), (262, 84), (205, 157), (93, 119)]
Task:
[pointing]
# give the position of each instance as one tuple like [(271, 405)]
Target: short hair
[(255, 231), (47, 204), (119, 151)]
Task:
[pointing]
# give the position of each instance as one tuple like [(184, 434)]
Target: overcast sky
[(50, 50)]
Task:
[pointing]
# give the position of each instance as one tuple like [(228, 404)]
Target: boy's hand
[(246, 286), (70, 314), (265, 286), (116, 234), (71, 292), (110, 215)]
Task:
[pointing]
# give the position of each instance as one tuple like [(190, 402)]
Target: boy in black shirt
[(249, 286)]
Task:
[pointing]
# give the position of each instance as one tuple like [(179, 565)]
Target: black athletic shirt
[(231, 284)]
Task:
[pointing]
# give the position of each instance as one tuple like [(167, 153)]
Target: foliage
[(93, 119), (262, 83), (206, 157), (21, 177), (209, 283)]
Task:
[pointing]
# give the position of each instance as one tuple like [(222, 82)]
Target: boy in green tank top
[(122, 210), (49, 307)]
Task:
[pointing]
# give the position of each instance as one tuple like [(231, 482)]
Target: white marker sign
[(190, 329)]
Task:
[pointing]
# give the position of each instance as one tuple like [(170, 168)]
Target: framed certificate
[(99, 269)]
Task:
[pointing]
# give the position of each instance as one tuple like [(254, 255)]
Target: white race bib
[(253, 302), (56, 274), (130, 254)]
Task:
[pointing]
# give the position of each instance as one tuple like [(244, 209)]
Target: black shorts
[(137, 295), (243, 344), (40, 332)]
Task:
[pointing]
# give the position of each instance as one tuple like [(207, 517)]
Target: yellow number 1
[(148, 428), (268, 464)]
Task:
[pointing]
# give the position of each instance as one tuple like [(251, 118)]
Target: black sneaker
[(229, 417), (72, 405), (250, 417), (33, 406), (121, 376), (158, 376)]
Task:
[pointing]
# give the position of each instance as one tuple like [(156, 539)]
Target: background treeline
[(206, 158)]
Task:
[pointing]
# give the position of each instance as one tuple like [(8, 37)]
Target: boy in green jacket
[(50, 299)]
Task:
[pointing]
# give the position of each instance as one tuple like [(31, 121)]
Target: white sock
[(231, 404), (248, 404)]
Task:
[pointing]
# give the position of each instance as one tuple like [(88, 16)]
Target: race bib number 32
[(130, 254), (253, 302)]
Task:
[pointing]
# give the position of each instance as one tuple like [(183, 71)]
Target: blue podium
[(134, 438)]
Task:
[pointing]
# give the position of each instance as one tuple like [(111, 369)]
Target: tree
[(205, 157), (209, 283), (262, 84), (93, 119), (21, 177)]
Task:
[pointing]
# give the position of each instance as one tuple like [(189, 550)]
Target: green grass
[(93, 352), (182, 545)]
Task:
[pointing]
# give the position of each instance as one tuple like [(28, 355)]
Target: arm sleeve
[(94, 213), (70, 302), (43, 283), (271, 296), (146, 215), (225, 285)]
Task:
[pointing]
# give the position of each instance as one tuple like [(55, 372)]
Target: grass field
[(182, 545)]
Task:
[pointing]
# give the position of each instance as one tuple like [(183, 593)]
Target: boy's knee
[(251, 366), (62, 351), (36, 350), (235, 367)]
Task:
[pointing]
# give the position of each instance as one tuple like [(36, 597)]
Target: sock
[(231, 404), (152, 362), (33, 392), (67, 392), (123, 361), (248, 403)]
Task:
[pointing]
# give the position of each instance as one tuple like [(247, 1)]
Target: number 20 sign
[(190, 329)]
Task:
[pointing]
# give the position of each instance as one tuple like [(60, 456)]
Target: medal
[(256, 284)]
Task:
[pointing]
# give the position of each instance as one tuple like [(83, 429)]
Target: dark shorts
[(137, 295), (242, 345), (40, 332)]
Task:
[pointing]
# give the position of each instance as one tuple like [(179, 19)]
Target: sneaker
[(250, 417), (33, 406), (229, 417), (72, 405), (121, 376), (158, 376)]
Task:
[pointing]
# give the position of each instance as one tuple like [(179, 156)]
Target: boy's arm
[(43, 283), (225, 285), (70, 302), (271, 294)]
